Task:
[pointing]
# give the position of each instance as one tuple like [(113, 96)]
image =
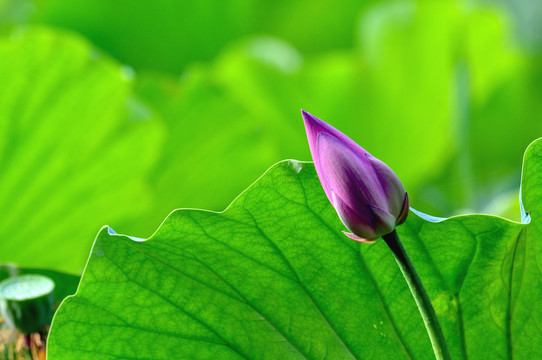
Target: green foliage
[(423, 101), (244, 108), (273, 277), (172, 34), (74, 146), (111, 166), (437, 90), (459, 69), (442, 91)]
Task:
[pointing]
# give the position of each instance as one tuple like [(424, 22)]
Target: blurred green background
[(118, 112)]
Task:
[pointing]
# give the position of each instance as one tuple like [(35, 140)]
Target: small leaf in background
[(273, 277)]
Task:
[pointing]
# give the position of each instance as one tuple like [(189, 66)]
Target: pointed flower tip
[(367, 195), (310, 120)]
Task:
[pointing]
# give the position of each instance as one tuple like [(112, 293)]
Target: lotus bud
[(367, 195)]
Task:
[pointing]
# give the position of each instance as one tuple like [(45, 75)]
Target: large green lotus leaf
[(74, 148), (273, 277)]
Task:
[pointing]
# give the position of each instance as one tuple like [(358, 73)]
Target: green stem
[(420, 296)]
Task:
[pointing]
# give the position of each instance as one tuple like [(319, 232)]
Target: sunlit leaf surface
[(272, 277)]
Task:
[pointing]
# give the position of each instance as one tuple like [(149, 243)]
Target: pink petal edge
[(358, 239)]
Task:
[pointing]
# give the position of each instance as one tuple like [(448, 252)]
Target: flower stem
[(420, 296)]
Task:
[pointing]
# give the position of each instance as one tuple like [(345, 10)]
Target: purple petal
[(360, 225), (404, 211), (390, 184), (367, 195), (314, 126), (383, 221), (350, 177)]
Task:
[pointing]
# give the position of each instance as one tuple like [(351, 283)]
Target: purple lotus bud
[(367, 195)]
